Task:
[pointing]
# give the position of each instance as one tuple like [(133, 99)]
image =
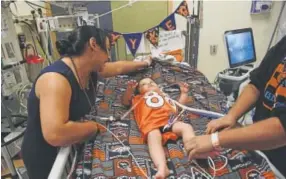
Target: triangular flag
[(114, 36), (133, 41), (153, 36), (169, 23), (183, 9)]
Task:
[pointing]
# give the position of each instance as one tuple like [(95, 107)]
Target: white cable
[(205, 174), (198, 111), (173, 122), (211, 165), (131, 109), (145, 174), (73, 165), (116, 9), (225, 164)]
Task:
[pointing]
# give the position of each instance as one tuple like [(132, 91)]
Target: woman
[(267, 92), (64, 93)]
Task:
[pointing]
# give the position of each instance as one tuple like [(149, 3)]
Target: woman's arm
[(244, 103), (123, 67), (264, 135), (54, 93)]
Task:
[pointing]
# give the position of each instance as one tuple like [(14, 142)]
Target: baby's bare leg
[(157, 153), (184, 130)]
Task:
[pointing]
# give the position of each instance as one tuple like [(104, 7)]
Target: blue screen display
[(240, 47)]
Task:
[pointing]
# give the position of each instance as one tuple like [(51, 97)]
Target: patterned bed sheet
[(104, 157)]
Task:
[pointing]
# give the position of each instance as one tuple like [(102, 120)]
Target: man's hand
[(132, 84), (184, 87), (225, 122), (198, 146)]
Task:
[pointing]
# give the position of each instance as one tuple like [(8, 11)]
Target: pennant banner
[(114, 36), (153, 36), (133, 41), (183, 9), (169, 23)]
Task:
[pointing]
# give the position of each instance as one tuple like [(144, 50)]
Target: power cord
[(31, 3)]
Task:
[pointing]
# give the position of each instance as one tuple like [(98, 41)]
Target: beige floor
[(17, 164)]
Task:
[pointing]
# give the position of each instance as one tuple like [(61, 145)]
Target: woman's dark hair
[(76, 42)]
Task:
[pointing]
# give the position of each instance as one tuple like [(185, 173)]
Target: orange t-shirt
[(152, 112)]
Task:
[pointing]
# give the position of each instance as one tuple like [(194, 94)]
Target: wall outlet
[(213, 49)]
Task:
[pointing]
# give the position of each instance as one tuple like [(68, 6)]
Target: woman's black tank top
[(38, 155)]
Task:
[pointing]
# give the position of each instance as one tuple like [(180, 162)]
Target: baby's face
[(146, 85)]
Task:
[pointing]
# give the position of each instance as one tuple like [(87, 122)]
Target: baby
[(152, 111)]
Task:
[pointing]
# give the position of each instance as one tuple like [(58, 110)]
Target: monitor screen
[(240, 47)]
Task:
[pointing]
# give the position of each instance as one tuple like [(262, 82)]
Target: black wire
[(15, 5), (276, 25), (34, 43), (31, 6), (37, 5), (14, 14), (46, 2), (31, 29), (193, 7)]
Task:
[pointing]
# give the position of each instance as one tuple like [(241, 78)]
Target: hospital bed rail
[(63, 163)]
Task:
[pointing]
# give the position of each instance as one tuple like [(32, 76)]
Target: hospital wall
[(219, 16), (138, 17)]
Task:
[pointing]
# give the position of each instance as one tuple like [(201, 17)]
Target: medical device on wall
[(78, 17), (260, 6), (13, 71), (241, 53), (11, 53)]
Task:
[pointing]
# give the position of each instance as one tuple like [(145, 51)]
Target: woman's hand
[(184, 87), (148, 60), (199, 146), (225, 122)]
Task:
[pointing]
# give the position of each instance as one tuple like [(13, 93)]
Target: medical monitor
[(240, 47)]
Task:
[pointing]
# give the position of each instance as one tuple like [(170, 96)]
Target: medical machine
[(241, 53)]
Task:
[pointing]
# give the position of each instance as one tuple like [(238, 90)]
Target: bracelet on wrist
[(215, 141)]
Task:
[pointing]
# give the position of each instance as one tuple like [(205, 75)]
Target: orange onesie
[(153, 112)]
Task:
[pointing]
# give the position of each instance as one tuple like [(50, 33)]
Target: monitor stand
[(231, 79), (236, 74)]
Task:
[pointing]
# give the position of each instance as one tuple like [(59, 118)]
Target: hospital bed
[(104, 157)]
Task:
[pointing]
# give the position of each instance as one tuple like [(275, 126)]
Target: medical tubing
[(124, 146), (199, 111)]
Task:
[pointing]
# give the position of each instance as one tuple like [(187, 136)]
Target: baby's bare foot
[(162, 172)]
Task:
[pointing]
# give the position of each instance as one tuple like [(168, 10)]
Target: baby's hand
[(132, 84), (184, 87)]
